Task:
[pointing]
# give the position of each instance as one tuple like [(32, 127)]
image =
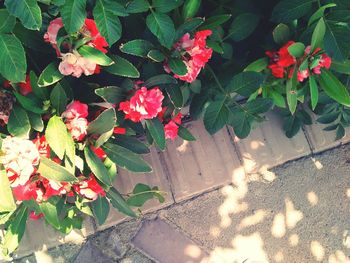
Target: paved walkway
[(224, 205)]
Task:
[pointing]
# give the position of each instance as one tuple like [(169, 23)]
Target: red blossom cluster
[(194, 53), (72, 62), (282, 63), (171, 127), (75, 118)]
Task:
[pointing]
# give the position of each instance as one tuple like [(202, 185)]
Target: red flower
[(25, 87), (281, 60), (89, 188), (195, 54), (99, 152), (97, 41), (119, 130), (42, 145), (76, 109), (35, 216), (145, 104), (277, 71), (27, 191)]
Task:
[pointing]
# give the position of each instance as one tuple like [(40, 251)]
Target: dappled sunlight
[(338, 257), (278, 228), (348, 192), (266, 174), (183, 147), (293, 240), (254, 145), (312, 198), (279, 257), (317, 250), (346, 239), (293, 216), (317, 163), (193, 251), (42, 256), (253, 219)]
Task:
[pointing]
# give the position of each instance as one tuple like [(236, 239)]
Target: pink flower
[(145, 104), (25, 87), (20, 156), (76, 65), (325, 62), (77, 127), (302, 75), (51, 35), (172, 127), (195, 54), (76, 109), (89, 188)]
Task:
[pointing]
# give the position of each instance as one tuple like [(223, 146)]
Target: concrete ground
[(298, 212)]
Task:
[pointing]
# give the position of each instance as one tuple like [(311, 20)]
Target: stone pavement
[(224, 205)]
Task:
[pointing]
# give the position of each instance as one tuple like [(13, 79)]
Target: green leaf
[(175, 96), (111, 94), (126, 158), (288, 10), (216, 116), (103, 123), (142, 193), (13, 65), (334, 88), (196, 86), (340, 132), (156, 55), (243, 26), (131, 143), (36, 121), (58, 98), (95, 55), (7, 21), (103, 138), (137, 47), (50, 75), (27, 11), (313, 92), (160, 80), (137, 6), (38, 91), (106, 17), (119, 202), (56, 135), (190, 8), (162, 27), (122, 67), (30, 104), (240, 122), (18, 124), (292, 94), (7, 202), (319, 13), (185, 134), (188, 26), (214, 21), (318, 35), (177, 66), (69, 160), (50, 212), (100, 208), (258, 65), (166, 6), (297, 49), (341, 67), (53, 171), (292, 125), (97, 167), (15, 230), (73, 15), (281, 34), (245, 83), (328, 118), (156, 129)]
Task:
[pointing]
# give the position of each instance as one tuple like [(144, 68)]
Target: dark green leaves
[(156, 129), (49, 209), (100, 208), (50, 75), (177, 66), (53, 171), (245, 83), (142, 193), (313, 92), (292, 94), (58, 98), (95, 55), (13, 63), (119, 202), (111, 94), (318, 35), (73, 14), (162, 27), (160, 80), (103, 123), (190, 8), (288, 10), (97, 167), (281, 34), (137, 47), (126, 158), (243, 26), (214, 21), (297, 49), (18, 124), (185, 134), (137, 6), (334, 88), (107, 21), (166, 6), (28, 12), (216, 116), (7, 21), (122, 67)]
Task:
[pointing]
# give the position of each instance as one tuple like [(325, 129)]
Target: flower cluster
[(75, 117), (194, 54), (282, 63), (72, 62)]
